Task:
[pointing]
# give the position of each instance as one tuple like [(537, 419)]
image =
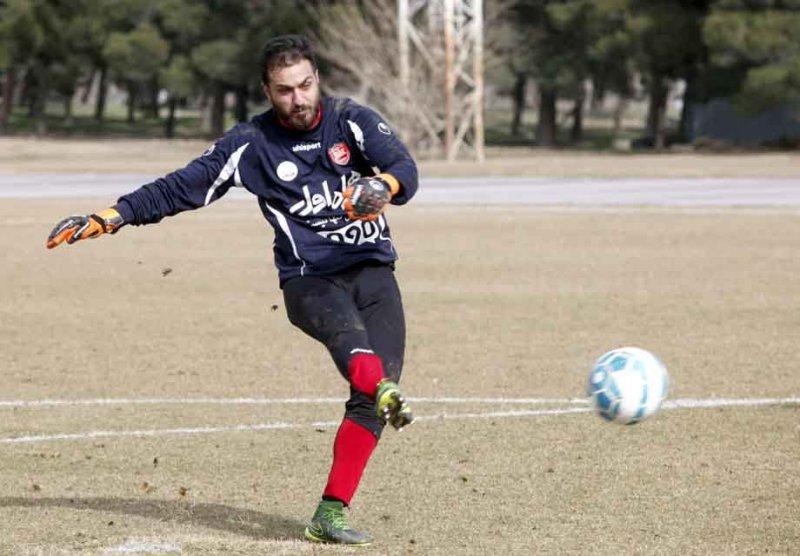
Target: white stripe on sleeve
[(231, 167), (358, 133)]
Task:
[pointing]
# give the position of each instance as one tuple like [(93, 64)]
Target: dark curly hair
[(283, 51)]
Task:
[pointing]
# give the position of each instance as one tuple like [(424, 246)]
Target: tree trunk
[(169, 129), (520, 83), (102, 92), (9, 85), (205, 113), (619, 113), (37, 93), (86, 88), (690, 95), (38, 111), (68, 119), (598, 95), (576, 133), (241, 105), (657, 111), (30, 92), (131, 103), (546, 127), (153, 90), (218, 111)]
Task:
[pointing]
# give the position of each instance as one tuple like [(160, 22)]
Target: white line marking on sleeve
[(231, 167)]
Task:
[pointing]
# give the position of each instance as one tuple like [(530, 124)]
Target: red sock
[(366, 371), (351, 451)]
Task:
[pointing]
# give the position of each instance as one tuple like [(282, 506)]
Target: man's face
[(294, 92)]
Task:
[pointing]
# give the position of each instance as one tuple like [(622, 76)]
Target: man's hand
[(366, 198), (75, 228)]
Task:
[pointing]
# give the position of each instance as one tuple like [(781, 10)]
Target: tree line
[(186, 48), (744, 50), (167, 53)]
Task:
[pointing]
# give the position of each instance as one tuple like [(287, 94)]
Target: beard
[(300, 116)]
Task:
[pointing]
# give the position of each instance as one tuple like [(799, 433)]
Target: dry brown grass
[(500, 302), (24, 155)]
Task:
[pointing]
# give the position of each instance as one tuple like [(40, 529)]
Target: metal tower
[(448, 35)]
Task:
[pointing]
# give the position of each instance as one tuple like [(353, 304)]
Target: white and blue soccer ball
[(627, 385)]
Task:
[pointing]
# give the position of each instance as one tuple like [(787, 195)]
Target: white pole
[(402, 39), (449, 81), (477, 22)]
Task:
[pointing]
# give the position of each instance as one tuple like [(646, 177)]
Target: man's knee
[(361, 409), (365, 371)]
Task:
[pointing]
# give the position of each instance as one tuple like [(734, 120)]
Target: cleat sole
[(311, 537)]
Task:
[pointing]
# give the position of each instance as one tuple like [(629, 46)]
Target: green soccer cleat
[(329, 525), (392, 406)]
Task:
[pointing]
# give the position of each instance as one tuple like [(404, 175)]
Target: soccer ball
[(627, 385)]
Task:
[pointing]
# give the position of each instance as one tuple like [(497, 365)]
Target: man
[(323, 171)]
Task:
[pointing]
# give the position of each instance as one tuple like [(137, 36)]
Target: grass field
[(501, 303)]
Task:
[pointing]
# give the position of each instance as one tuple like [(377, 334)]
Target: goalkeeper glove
[(77, 227), (366, 198)]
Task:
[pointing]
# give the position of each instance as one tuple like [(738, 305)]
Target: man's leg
[(381, 307), (325, 310)]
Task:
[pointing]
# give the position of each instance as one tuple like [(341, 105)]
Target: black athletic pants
[(357, 309)]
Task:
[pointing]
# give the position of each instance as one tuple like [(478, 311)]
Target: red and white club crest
[(339, 154)]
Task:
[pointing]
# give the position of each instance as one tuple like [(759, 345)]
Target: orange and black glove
[(366, 198), (77, 227)]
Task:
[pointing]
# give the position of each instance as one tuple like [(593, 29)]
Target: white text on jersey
[(313, 204), (306, 147)]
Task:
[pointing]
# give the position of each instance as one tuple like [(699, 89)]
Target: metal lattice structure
[(448, 36)]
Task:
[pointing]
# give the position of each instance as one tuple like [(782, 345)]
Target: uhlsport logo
[(303, 147), (339, 154)]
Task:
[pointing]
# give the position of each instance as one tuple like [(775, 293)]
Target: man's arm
[(396, 180), (202, 181), (384, 150)]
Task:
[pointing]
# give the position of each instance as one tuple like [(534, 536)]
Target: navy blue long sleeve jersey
[(298, 178)]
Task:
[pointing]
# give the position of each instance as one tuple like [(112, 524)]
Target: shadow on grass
[(249, 523)]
